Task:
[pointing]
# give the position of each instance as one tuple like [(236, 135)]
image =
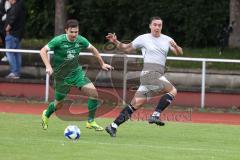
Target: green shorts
[(76, 78)]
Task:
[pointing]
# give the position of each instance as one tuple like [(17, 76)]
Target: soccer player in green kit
[(68, 72)]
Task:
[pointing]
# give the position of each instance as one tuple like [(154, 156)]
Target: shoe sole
[(96, 129), (107, 130), (157, 123)]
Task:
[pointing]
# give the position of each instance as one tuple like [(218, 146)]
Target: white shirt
[(154, 49), (7, 6)]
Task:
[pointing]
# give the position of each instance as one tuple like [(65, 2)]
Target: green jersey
[(66, 54)]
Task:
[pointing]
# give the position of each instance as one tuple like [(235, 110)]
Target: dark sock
[(164, 102), (124, 115)]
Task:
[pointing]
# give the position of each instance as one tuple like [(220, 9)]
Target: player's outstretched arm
[(177, 50), (46, 61), (95, 52), (125, 47)]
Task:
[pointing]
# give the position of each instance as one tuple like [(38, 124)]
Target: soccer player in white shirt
[(154, 47)]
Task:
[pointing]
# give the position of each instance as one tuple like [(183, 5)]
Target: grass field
[(21, 138)]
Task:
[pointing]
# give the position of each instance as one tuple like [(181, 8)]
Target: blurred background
[(191, 23), (205, 29)]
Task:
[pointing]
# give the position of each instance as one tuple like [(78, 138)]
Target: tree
[(60, 16), (234, 39)]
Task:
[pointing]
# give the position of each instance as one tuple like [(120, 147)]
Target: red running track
[(192, 99), (142, 114)]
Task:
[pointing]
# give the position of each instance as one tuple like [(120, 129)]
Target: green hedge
[(192, 23), (40, 18)]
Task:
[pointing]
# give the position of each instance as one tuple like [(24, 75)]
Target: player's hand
[(49, 71), (173, 44), (107, 67), (112, 37), (175, 48)]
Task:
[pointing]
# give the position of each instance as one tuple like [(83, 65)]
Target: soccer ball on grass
[(72, 132)]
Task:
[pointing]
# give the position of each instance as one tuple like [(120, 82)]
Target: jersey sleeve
[(138, 42), (53, 44), (170, 39), (85, 43)]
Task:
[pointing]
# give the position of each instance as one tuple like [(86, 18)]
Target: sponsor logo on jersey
[(77, 45), (70, 54)]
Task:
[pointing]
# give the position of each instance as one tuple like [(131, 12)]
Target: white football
[(72, 132)]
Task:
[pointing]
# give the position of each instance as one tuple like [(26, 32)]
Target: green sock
[(51, 108), (92, 107)]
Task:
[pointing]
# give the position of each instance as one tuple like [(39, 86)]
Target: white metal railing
[(38, 52), (126, 57), (203, 60)]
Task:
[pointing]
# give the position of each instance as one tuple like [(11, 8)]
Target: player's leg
[(52, 107), (60, 93), (126, 113), (165, 100), (93, 103)]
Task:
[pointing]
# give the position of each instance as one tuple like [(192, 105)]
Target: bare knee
[(94, 94), (138, 101), (90, 90), (173, 92)]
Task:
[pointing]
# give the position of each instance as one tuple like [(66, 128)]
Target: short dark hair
[(71, 23), (155, 18)]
